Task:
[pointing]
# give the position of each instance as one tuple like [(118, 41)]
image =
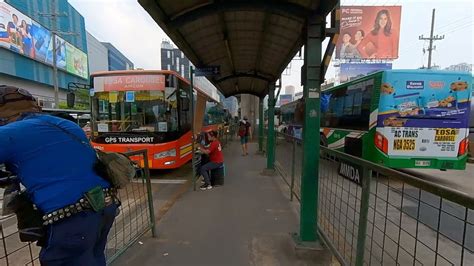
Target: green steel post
[(271, 128), (260, 124), (364, 211), (191, 91), (311, 92), (149, 193), (293, 164)]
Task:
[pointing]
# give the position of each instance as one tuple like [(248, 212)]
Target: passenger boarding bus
[(139, 109), (399, 118)]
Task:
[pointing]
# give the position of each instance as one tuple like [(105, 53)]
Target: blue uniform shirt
[(55, 168)]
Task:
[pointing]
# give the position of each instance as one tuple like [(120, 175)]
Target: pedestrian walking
[(245, 132), (216, 158), (73, 206)]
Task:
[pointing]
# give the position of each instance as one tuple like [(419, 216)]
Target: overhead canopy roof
[(251, 41)]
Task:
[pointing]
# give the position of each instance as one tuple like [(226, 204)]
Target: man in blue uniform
[(53, 160)]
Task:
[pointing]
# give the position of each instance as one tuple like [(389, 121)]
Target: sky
[(126, 25)]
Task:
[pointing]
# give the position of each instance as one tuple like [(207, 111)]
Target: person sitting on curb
[(216, 158)]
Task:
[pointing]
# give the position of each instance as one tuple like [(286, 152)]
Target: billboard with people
[(369, 32), (60, 53), (350, 71), (21, 34)]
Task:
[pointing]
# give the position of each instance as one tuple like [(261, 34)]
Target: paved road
[(395, 218), (462, 180)]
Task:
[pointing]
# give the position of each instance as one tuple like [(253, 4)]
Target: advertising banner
[(41, 39), (421, 114), (15, 31), (25, 36), (60, 53), (350, 71), (76, 61), (285, 98), (369, 32)]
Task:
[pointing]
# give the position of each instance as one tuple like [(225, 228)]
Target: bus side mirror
[(185, 104), (71, 99)]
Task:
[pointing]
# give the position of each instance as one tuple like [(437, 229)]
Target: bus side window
[(348, 104), (185, 113), (357, 107)]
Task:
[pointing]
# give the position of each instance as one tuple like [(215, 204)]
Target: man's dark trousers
[(205, 171), (79, 239)]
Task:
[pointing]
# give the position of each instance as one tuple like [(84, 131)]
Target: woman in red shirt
[(381, 42), (216, 158)]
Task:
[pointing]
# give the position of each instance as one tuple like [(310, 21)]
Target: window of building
[(168, 67), (182, 55), (177, 64), (182, 70), (168, 54)]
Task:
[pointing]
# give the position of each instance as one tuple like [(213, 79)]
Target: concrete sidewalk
[(245, 222)]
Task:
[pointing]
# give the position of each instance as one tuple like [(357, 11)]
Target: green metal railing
[(136, 212), (136, 217), (383, 216)]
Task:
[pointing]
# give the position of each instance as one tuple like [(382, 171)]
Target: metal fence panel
[(389, 218), (136, 217)]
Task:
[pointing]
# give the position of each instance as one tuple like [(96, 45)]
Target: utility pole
[(431, 39), (53, 17)]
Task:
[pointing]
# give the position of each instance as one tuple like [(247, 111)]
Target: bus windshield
[(136, 111)]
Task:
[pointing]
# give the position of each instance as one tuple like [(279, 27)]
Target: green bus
[(397, 118)]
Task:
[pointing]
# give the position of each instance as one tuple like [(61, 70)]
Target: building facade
[(462, 67), (173, 59), (117, 61), (98, 55), (26, 56), (290, 89), (232, 105)]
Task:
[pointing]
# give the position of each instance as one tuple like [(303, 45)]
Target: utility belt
[(85, 203)]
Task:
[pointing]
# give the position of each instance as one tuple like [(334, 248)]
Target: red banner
[(369, 32)]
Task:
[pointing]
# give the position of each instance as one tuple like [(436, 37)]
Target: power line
[(457, 21), (410, 46), (458, 28)]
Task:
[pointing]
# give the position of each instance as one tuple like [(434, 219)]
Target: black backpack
[(242, 129)]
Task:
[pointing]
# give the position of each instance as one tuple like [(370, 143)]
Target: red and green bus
[(398, 118), (141, 109)]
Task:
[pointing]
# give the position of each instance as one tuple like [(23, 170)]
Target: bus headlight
[(164, 154)]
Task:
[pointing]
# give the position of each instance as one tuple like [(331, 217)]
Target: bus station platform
[(247, 221)]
